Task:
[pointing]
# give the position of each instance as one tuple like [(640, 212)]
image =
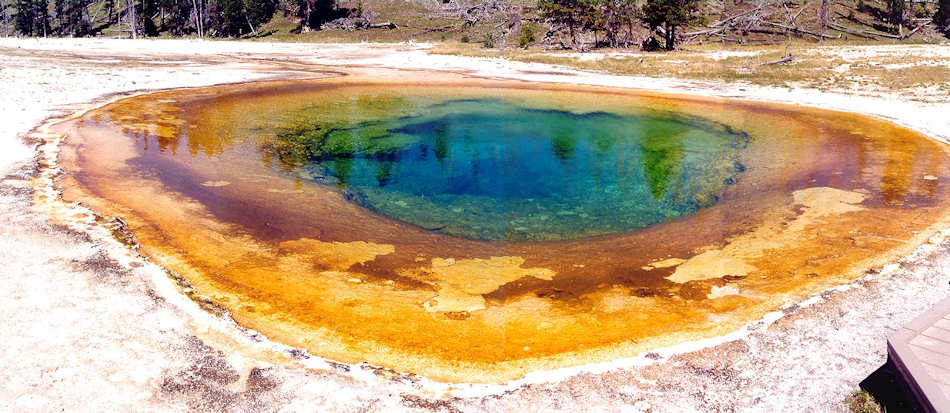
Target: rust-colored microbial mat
[(225, 187)]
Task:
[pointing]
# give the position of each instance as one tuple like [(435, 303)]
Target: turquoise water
[(493, 170)]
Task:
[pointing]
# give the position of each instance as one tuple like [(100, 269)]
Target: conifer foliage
[(616, 18), (32, 17), (215, 18), (942, 17), (668, 15)]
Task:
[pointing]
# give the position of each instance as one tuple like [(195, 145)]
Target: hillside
[(491, 24)]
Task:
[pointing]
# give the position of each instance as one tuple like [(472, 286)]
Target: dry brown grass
[(816, 66), (862, 402)]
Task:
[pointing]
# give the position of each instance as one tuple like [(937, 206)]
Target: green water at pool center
[(492, 169)]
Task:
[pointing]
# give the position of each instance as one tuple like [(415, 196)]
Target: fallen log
[(707, 32), (383, 25), (848, 31), (785, 59), (802, 31), (911, 33), (795, 17), (853, 18), (863, 33)]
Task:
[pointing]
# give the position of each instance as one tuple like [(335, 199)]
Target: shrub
[(489, 41), (527, 36)]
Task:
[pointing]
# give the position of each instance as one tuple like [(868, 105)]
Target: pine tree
[(614, 17), (942, 17), (575, 15), (895, 12), (178, 16), (41, 18), (240, 17), (227, 16), (668, 15), (71, 17), (78, 19), (145, 12), (3, 17), (109, 6), (259, 12), (313, 13), (23, 21), (32, 17), (58, 11)]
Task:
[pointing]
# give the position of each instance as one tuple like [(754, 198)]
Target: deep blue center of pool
[(494, 170)]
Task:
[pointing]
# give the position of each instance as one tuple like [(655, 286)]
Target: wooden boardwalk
[(921, 352)]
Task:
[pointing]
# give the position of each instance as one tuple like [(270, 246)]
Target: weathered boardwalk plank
[(937, 333), (921, 352)]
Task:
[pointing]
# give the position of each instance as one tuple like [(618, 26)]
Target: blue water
[(493, 170)]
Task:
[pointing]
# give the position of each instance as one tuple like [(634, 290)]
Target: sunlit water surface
[(491, 169)]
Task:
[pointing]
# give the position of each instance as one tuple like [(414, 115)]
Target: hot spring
[(494, 170), (477, 230)]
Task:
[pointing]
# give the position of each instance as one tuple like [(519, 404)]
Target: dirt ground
[(88, 323)]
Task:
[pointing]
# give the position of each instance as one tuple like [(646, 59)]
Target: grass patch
[(816, 66), (862, 402)]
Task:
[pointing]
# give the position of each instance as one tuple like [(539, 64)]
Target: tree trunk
[(197, 13), (307, 14), (248, 20), (134, 31), (574, 41), (670, 37), (628, 36)]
